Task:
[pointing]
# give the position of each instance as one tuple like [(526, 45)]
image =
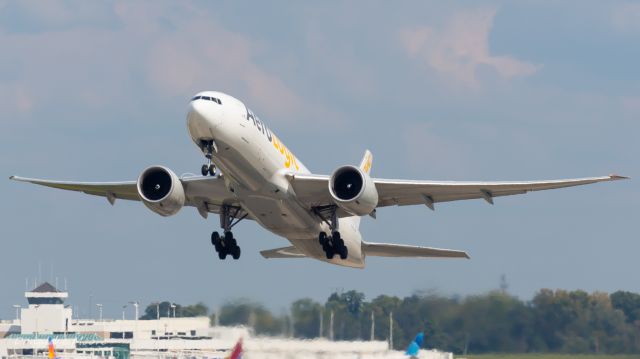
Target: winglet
[(615, 177)]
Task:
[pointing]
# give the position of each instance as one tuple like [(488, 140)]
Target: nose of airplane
[(203, 118)]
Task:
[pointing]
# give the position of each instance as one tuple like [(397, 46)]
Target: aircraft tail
[(414, 347), (365, 166), (52, 349), (236, 353)]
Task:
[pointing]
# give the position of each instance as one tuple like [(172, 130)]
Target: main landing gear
[(226, 244), (334, 244), (208, 147)]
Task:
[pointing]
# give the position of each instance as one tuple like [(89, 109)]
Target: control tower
[(46, 312)]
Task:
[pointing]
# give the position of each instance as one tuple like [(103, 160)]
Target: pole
[(99, 311), (123, 309), (158, 311), (331, 326), (373, 325), (135, 308), (391, 330), (321, 323)]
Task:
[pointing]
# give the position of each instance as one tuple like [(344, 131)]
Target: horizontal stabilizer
[(399, 250), (284, 252)]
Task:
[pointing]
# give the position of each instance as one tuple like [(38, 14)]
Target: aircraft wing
[(399, 192), (313, 190), (398, 250), (207, 194)]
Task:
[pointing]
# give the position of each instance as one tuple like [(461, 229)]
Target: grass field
[(547, 356)]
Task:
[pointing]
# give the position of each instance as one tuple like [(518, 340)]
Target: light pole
[(135, 306), (373, 325), (173, 306), (391, 330), (331, 326), (99, 311), (17, 307), (158, 311), (124, 307)]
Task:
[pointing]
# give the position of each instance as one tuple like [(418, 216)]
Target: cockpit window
[(207, 98)]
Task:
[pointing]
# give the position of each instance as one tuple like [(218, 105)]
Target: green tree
[(195, 310), (251, 314), (347, 308), (306, 318), (151, 311), (628, 303)]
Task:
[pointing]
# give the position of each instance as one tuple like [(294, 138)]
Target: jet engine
[(161, 190), (353, 190)]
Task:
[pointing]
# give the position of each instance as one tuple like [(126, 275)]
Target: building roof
[(81, 337), (45, 288)]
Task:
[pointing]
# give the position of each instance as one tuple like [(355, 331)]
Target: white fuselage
[(254, 161)]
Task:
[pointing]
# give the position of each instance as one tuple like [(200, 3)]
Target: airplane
[(250, 174), (236, 352), (414, 347), (51, 350)]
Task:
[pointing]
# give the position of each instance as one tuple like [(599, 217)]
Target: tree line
[(556, 321)]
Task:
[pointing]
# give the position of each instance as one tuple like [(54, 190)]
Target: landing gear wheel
[(212, 170), (205, 170), (222, 254), (322, 238), (329, 253), (235, 252), (215, 239), (344, 253)]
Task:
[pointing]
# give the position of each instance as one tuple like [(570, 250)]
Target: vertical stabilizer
[(365, 165)]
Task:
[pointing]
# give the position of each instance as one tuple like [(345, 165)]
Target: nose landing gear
[(208, 147)]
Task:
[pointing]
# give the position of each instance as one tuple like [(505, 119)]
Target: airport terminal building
[(47, 318)]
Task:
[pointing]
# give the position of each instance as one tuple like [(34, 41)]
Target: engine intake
[(161, 190), (353, 190)]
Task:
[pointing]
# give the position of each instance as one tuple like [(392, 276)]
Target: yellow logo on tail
[(365, 165)]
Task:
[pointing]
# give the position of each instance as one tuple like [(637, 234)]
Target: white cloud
[(174, 50), (460, 47), (626, 17)]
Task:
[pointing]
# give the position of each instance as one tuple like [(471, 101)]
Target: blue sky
[(461, 91)]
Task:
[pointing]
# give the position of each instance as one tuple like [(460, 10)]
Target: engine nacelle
[(161, 190), (353, 190)]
